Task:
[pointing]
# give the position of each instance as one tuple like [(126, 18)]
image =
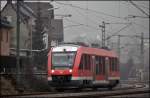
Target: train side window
[(113, 64), (110, 63), (100, 66), (97, 65), (117, 64), (87, 61), (103, 64), (81, 63)]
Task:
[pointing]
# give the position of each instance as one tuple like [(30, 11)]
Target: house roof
[(30, 9), (44, 6), (24, 9)]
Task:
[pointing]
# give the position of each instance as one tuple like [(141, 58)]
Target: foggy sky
[(115, 8), (92, 19), (85, 24)]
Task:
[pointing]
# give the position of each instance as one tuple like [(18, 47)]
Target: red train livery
[(72, 65)]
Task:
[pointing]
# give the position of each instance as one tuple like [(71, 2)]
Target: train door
[(106, 68), (93, 68)]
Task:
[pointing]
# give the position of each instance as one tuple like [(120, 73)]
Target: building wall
[(8, 11), (4, 41)]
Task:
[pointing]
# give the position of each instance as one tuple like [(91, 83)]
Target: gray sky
[(103, 11), (88, 15)]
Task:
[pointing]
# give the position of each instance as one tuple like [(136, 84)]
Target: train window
[(109, 63), (117, 64), (103, 64), (81, 63), (113, 64), (88, 62), (97, 65), (85, 62), (100, 65)]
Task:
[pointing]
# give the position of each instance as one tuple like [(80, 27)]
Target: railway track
[(90, 94), (116, 92)]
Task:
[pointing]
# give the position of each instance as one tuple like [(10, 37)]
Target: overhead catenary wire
[(140, 25), (68, 26), (143, 5), (114, 34), (90, 10), (85, 9), (139, 8), (81, 24), (89, 19)]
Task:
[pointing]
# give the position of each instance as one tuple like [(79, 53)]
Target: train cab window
[(63, 60)]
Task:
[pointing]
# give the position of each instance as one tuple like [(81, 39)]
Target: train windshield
[(63, 59)]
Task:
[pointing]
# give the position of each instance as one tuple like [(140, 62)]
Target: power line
[(91, 10), (140, 25), (82, 24), (139, 8), (135, 16), (114, 34), (72, 25), (142, 5), (85, 16)]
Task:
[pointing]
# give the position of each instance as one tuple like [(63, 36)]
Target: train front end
[(61, 67)]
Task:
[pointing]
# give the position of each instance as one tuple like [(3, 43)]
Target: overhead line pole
[(18, 42), (142, 50), (119, 46), (103, 33)]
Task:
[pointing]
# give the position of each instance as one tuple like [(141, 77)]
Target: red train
[(71, 65)]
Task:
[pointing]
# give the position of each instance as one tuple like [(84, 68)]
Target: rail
[(83, 94)]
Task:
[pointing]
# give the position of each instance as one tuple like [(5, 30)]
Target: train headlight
[(52, 71), (70, 70)]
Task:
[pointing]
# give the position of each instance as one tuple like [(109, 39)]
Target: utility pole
[(119, 45), (142, 49), (103, 33), (142, 56), (17, 42)]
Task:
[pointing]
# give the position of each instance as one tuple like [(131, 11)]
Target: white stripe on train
[(88, 78)]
